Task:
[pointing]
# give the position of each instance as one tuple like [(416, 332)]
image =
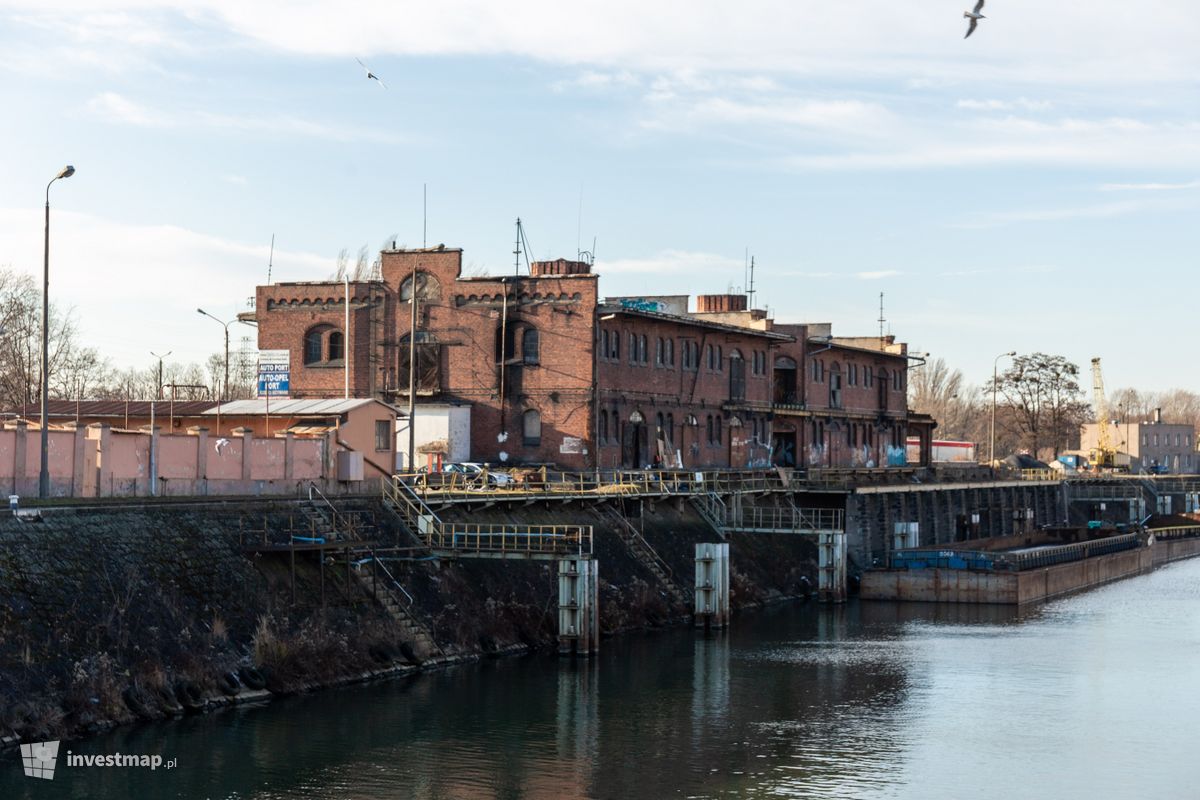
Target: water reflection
[(1089, 696)]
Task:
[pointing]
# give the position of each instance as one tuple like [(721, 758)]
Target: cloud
[(1020, 104), (1102, 211), (112, 107), (1149, 187), (672, 261), (147, 265), (594, 79), (868, 275), (118, 109), (1033, 42)]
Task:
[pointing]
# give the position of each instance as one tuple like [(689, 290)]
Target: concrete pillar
[(247, 444), (712, 584), (578, 607), (289, 456), (831, 566), (101, 434), (201, 434), (152, 483), (77, 457)]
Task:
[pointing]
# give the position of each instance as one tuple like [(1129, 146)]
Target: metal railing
[(469, 537), (547, 483), (1040, 475), (1176, 532), (788, 518)]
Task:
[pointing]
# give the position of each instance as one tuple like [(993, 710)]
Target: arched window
[(670, 352), (671, 429), (709, 357), (659, 352), (603, 426), (737, 375), (717, 429), (337, 346), (529, 346), (643, 354), (633, 348), (427, 287), (531, 428), (314, 344), (708, 424)]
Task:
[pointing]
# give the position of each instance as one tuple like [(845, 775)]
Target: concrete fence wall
[(99, 461)]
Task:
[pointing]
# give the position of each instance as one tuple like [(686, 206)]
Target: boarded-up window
[(428, 377), (531, 428)]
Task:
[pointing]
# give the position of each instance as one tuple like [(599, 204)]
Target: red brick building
[(554, 374)]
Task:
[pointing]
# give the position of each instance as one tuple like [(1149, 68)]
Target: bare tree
[(936, 389), (1042, 391)]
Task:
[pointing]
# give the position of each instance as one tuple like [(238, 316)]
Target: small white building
[(442, 435)]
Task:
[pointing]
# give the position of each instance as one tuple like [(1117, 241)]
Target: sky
[(1032, 188)]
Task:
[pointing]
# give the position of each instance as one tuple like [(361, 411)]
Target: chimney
[(1158, 416), (560, 266), (720, 303)]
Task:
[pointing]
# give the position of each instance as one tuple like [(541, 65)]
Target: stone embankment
[(113, 614)]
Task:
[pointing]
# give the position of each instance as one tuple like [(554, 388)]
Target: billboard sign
[(274, 373)]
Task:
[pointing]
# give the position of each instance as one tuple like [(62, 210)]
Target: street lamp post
[(225, 325), (160, 358), (995, 367), (44, 472)]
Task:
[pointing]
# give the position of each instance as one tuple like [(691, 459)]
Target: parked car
[(475, 472)]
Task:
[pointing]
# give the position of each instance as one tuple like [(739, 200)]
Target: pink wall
[(98, 461)]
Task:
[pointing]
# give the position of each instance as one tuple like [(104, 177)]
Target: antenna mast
[(424, 218), (271, 259), (517, 250), (881, 319), (750, 292)]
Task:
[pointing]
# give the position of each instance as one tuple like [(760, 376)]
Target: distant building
[(553, 373), (1151, 446)]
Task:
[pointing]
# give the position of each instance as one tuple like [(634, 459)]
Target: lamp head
[(200, 311), (65, 172)]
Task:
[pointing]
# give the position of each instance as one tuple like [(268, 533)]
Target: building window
[(603, 435), (337, 346), (531, 428), (670, 345), (708, 424), (671, 430), (737, 376), (720, 359), (633, 348), (643, 353), (717, 429), (604, 344), (835, 386), (383, 435), (529, 346), (868, 377), (427, 287), (710, 357), (314, 344), (428, 373)]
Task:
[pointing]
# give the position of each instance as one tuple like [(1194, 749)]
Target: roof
[(117, 409), (690, 320), (291, 408)]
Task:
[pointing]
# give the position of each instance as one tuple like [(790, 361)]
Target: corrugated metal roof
[(69, 409), (290, 408)]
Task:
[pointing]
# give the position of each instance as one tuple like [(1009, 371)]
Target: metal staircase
[(378, 580), (712, 510), (646, 555)]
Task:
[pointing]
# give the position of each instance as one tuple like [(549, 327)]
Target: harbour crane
[(1104, 455)]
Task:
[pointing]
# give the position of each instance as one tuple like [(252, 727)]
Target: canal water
[(1093, 696)]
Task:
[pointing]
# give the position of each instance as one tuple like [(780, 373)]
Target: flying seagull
[(372, 76), (974, 16)]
